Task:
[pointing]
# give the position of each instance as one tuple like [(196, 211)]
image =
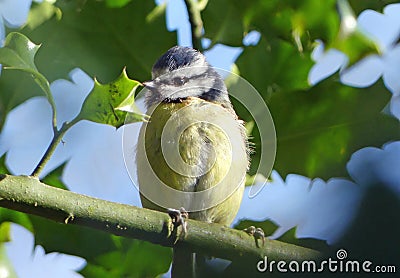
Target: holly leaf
[(7, 215), (19, 53), (223, 27), (274, 65), (70, 239), (111, 103), (15, 87), (132, 258), (41, 12), (3, 167), (101, 40), (312, 243), (359, 6), (54, 177), (6, 265), (350, 39), (117, 3), (318, 129), (107, 255), (5, 232), (297, 22)]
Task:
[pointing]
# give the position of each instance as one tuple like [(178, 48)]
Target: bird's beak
[(149, 85)]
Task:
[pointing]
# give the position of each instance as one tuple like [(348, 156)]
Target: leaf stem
[(54, 120), (57, 136), (194, 8)]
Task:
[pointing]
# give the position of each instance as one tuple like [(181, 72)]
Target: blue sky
[(97, 158)]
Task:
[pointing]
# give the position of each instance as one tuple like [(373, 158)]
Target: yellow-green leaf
[(351, 40), (111, 103), (6, 266), (19, 53)]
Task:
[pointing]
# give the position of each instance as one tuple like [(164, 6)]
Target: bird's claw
[(179, 217), (257, 233)]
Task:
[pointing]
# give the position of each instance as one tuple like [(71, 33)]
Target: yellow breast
[(193, 155)]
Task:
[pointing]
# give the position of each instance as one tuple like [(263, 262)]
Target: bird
[(193, 153)]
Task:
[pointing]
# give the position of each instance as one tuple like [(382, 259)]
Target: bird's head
[(183, 72)]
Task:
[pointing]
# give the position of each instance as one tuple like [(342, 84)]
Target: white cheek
[(170, 90), (203, 83)]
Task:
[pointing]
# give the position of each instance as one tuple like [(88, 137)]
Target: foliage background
[(322, 129)]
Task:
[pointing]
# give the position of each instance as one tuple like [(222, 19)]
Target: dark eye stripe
[(179, 81)]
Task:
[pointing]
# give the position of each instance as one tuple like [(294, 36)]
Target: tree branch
[(28, 194), (194, 8)]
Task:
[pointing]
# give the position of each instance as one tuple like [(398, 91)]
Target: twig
[(194, 8), (28, 194), (57, 137)]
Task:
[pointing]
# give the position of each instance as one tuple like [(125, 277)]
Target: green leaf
[(110, 103), (356, 46), (7, 269), (221, 23), (297, 22), (76, 240), (350, 39), (273, 66), (3, 166), (54, 177), (254, 179), (18, 53), (319, 128), (41, 12), (378, 213), (7, 215), (312, 243), (5, 232), (359, 6), (102, 40), (117, 3), (133, 258), (15, 87), (71, 239)]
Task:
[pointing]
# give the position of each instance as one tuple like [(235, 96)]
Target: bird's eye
[(179, 81)]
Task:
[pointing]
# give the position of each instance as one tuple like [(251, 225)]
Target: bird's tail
[(186, 264)]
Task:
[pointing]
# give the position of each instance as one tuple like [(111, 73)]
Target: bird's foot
[(179, 217), (257, 233)]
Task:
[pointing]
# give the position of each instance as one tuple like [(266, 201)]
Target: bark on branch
[(29, 195)]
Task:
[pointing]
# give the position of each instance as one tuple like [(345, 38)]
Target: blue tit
[(193, 152)]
